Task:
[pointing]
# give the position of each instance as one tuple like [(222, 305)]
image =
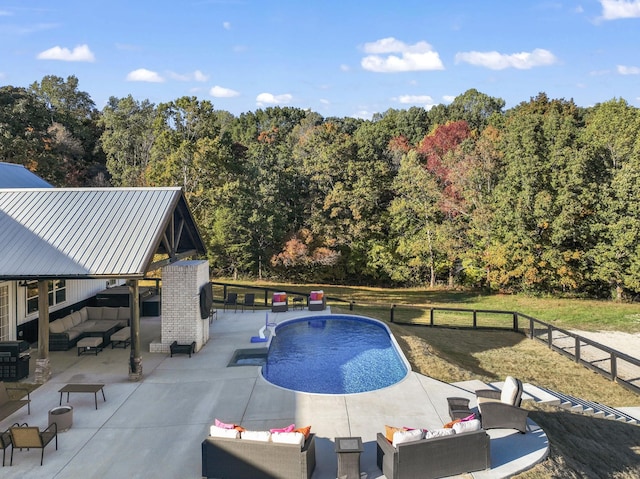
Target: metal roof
[(92, 232), (17, 176)]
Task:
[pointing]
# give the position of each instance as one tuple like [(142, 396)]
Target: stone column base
[(135, 369), (43, 371)]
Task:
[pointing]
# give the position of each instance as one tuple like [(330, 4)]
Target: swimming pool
[(334, 354)]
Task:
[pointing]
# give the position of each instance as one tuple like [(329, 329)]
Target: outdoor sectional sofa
[(247, 459), (90, 321), (434, 457)]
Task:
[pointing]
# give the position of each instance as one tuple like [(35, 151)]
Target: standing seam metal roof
[(87, 232)]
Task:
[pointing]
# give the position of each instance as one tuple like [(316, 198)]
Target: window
[(57, 294), (4, 313)]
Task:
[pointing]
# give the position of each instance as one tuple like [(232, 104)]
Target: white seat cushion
[(509, 392), (400, 437)]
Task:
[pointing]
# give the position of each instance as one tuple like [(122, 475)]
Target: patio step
[(592, 408), (546, 396)]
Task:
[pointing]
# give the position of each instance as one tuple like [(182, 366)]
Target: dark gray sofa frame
[(436, 457), (224, 458)]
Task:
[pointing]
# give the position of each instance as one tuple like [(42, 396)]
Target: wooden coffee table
[(83, 388)]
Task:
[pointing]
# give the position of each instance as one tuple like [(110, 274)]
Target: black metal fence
[(610, 363)]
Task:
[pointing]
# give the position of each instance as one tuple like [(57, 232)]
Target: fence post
[(614, 367), (224, 292), (531, 330), (431, 316), (515, 321), (351, 303), (475, 319), (549, 336), (577, 349), (391, 312), (266, 299)]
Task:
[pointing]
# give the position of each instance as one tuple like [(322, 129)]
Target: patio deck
[(154, 428)]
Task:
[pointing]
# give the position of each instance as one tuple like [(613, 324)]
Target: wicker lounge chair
[(501, 409), (26, 437)]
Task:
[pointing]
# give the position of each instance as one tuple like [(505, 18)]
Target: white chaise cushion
[(263, 436), (288, 438), (215, 431)]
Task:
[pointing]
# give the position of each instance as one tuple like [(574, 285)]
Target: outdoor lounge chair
[(231, 300), (501, 409), (249, 301), (27, 437), (5, 442)]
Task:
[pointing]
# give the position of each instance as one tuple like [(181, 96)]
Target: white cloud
[(500, 61), (625, 70), (195, 76), (415, 99), (615, 9), (221, 92), (345, 68), (199, 76), (417, 57), (271, 99), (449, 98), (324, 101), (81, 53), (226, 25), (144, 75)]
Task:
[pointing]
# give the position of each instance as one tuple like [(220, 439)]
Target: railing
[(267, 290), (610, 363)]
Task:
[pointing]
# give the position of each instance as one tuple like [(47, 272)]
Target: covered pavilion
[(93, 233)]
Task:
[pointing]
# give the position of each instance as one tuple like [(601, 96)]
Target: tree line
[(543, 197)]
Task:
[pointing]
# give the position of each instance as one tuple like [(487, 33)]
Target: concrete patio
[(154, 428)]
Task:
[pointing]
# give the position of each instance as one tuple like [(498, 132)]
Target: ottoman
[(89, 345)]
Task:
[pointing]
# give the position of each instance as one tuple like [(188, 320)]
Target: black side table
[(348, 450)]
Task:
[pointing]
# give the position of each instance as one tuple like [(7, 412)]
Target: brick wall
[(181, 283)]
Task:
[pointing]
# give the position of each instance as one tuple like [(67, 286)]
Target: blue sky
[(338, 58)]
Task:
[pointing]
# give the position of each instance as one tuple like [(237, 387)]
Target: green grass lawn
[(588, 315)]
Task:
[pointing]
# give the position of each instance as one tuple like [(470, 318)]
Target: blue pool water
[(333, 354)]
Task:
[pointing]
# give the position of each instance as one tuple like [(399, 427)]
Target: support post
[(43, 367), (135, 358)]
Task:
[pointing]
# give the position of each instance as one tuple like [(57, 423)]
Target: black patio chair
[(231, 300), (249, 301)]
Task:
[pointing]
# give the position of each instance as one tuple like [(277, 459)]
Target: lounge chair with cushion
[(500, 409), (27, 437)]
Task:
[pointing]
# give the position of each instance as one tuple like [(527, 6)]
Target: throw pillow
[(390, 430), (439, 433), (450, 424), (400, 437), (305, 431), (467, 426), (289, 428)]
